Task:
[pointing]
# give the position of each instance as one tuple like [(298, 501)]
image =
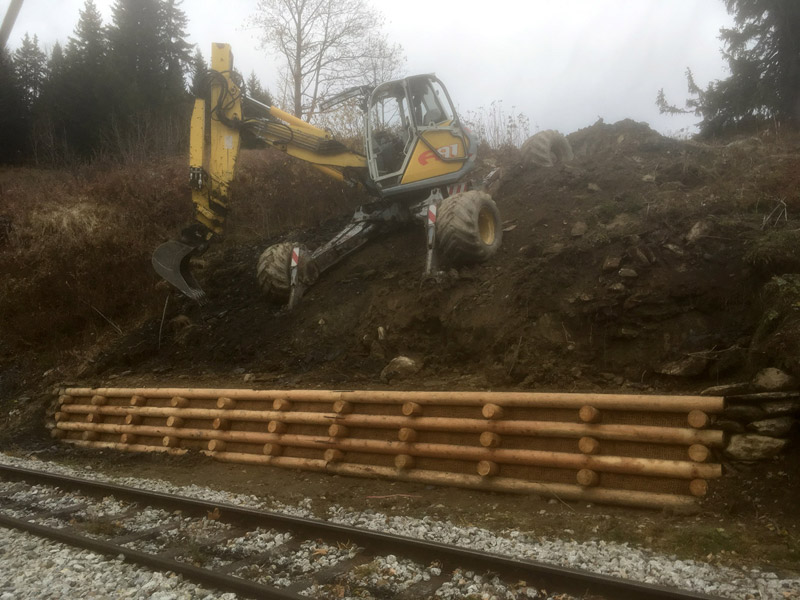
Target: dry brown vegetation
[(75, 245)]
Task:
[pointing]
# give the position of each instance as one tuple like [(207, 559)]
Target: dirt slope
[(638, 265)]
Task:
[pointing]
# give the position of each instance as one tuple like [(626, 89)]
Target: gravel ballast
[(34, 568)]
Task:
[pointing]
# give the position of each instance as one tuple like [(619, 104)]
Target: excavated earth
[(645, 265)]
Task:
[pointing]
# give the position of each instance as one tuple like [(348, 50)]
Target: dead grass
[(75, 245)]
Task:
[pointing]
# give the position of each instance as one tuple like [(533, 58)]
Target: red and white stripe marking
[(456, 188)]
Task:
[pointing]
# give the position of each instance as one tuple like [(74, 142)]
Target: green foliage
[(762, 50)]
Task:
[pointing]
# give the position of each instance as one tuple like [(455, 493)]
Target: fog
[(562, 64)]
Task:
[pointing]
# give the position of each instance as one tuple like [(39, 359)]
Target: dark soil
[(637, 267)]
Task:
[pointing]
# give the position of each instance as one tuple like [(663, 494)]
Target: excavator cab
[(413, 138)]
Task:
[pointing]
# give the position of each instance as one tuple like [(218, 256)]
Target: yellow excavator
[(416, 164)]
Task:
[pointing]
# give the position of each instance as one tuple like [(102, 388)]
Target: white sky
[(563, 63)]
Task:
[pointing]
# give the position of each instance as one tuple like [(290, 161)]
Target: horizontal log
[(633, 433), (565, 460), (500, 484), (655, 402), (127, 447)]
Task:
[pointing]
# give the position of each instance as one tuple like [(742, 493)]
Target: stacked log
[(638, 450)]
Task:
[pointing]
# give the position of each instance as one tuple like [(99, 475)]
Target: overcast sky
[(562, 63)]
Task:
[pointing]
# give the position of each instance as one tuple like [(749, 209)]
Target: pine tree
[(763, 54), (256, 91), (30, 66), (199, 70), (12, 128), (84, 87), (176, 50)]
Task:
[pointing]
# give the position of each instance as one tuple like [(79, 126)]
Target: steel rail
[(563, 579)]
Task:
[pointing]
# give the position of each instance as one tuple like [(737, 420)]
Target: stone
[(399, 367), (628, 273), (249, 377), (698, 230), (780, 408), (729, 389), (744, 413), (593, 187), (775, 427), (617, 287), (611, 263), (773, 380), (648, 178), (751, 446), (627, 333), (685, 367), (676, 250), (579, 229)]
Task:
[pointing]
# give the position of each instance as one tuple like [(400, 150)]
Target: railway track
[(261, 554)]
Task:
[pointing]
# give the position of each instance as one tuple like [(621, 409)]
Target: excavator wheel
[(547, 149), (274, 271), (468, 228)]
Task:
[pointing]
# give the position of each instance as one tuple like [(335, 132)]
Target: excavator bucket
[(171, 261)]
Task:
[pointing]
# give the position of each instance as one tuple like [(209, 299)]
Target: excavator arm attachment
[(213, 150)]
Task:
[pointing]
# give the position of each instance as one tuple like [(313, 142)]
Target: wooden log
[(126, 447), (404, 461), (137, 400), (699, 453), (127, 438), (698, 419), (89, 436), (66, 399), (589, 414), (500, 484), (217, 445), (587, 478), (98, 400), (94, 418), (179, 402), (588, 445), (276, 427), (175, 421), (61, 416), (58, 434), (226, 403), (336, 431), (492, 411), (568, 460), (170, 441), (333, 455), (221, 424), (487, 468), (133, 419), (272, 450), (281, 404), (411, 409), (638, 433), (341, 407), (406, 434), (644, 402), (490, 440), (698, 487)]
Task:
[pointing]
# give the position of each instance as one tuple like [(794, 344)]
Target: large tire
[(274, 271), (468, 228), (547, 149)]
